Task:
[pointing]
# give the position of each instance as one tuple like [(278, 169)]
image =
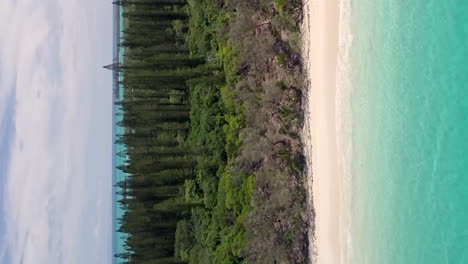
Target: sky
[(55, 131)]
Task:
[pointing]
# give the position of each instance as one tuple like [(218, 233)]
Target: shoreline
[(320, 34)]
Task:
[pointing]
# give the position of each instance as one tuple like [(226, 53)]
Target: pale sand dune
[(320, 48)]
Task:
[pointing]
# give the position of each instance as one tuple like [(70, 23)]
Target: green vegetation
[(280, 4), (212, 114)]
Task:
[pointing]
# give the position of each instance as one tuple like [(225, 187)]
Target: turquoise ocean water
[(409, 101)]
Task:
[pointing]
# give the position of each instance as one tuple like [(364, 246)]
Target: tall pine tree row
[(156, 69)]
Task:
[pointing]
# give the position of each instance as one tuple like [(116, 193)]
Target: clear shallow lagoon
[(409, 69)]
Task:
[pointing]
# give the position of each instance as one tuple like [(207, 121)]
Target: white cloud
[(57, 187)]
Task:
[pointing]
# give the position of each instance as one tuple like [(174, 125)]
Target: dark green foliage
[(209, 180), (253, 184), (156, 120)]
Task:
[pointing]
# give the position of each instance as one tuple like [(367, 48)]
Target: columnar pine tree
[(156, 118)]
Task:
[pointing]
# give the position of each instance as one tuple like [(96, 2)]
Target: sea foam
[(344, 125)]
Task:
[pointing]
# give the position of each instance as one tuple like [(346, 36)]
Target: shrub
[(282, 59), (183, 239), (280, 4)]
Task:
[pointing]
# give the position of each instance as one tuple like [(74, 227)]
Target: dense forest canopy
[(210, 180)]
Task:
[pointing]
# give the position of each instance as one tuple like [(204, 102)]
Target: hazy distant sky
[(55, 131)]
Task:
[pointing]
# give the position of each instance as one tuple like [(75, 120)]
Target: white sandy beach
[(320, 47)]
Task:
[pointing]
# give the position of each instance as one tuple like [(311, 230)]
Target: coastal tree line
[(156, 120), (209, 179)]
